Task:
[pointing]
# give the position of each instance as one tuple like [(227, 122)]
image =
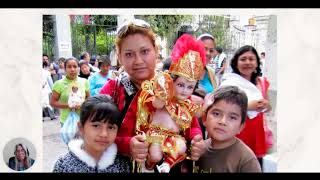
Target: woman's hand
[(197, 99), (77, 106), (261, 105), (139, 148), (208, 100)]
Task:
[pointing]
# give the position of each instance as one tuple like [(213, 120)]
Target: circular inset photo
[(19, 154)]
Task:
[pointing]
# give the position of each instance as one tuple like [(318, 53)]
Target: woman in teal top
[(208, 83), (98, 79), (63, 88)]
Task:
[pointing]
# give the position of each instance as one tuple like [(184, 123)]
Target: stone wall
[(271, 74)]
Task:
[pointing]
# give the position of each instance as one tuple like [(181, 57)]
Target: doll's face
[(74, 89), (183, 88)]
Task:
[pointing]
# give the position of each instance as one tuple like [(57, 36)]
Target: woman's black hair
[(235, 59), (100, 108), (166, 64), (82, 62), (69, 59), (104, 59)]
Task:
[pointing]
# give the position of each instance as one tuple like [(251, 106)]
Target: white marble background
[(298, 79)]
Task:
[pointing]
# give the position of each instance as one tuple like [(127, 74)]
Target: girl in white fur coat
[(95, 151)]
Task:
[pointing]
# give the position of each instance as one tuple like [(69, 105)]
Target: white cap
[(136, 22), (205, 35)]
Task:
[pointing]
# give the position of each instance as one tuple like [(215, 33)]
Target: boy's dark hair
[(233, 95), (100, 108), (104, 59)]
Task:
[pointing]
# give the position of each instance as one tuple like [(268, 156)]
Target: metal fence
[(94, 39), (48, 36)]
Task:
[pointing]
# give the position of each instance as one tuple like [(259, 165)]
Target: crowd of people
[(188, 115)]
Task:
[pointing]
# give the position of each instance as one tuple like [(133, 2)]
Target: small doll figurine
[(75, 98), (165, 110)]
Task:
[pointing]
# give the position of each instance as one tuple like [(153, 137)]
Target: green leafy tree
[(97, 38), (164, 25), (167, 26), (218, 26)]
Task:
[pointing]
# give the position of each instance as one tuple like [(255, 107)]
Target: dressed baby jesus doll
[(165, 110), (75, 98)]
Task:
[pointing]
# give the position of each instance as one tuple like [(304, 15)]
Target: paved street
[(53, 147)]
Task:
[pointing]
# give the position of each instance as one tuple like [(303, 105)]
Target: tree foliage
[(164, 25), (173, 26), (218, 26), (168, 27), (97, 38)]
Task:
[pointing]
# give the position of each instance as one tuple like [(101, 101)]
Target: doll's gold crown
[(189, 66)]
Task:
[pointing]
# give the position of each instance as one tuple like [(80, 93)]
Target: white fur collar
[(105, 161)]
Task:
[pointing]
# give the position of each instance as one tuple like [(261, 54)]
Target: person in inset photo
[(21, 161)]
